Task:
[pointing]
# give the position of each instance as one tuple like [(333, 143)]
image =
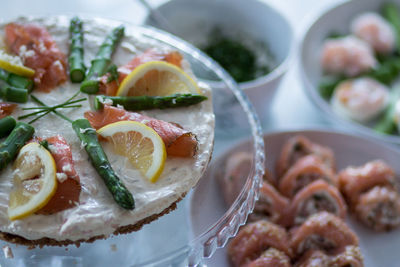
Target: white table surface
[(291, 108)]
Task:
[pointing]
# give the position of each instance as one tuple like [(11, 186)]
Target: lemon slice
[(34, 181), (157, 78), (14, 64), (140, 144)]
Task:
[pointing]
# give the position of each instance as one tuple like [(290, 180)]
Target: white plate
[(378, 248)]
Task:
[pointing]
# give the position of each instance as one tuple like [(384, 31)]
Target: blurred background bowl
[(335, 20), (252, 23)]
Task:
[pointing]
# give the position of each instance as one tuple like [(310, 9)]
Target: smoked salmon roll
[(271, 258), (353, 181), (255, 238), (350, 257), (372, 194), (303, 172), (379, 208), (314, 258), (271, 206), (298, 147), (322, 231), (316, 197), (234, 175)]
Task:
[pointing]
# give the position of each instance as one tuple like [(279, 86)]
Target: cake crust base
[(45, 241)]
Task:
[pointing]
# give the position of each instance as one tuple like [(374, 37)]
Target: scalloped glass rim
[(227, 226), (312, 91)]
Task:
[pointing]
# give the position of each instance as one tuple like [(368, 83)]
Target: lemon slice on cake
[(143, 147), (157, 78), (34, 181), (14, 65)]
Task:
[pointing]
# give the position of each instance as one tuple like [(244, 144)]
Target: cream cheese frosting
[(98, 214)]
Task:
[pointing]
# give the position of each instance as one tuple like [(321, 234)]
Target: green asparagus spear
[(16, 80), (13, 94), (75, 60), (100, 162), (150, 102), (13, 143), (103, 58), (391, 13), (7, 124), (387, 125)]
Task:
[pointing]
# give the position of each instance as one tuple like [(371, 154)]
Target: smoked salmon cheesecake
[(103, 129)]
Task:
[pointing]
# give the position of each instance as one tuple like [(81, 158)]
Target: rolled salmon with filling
[(316, 197), (353, 181), (303, 172), (322, 231), (254, 238), (314, 258), (271, 258), (299, 146), (379, 208), (350, 257), (270, 206), (233, 176)]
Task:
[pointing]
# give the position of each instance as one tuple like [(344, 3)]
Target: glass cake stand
[(201, 223)]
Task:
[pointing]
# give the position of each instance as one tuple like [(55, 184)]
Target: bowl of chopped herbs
[(251, 40)]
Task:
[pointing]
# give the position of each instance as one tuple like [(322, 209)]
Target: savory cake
[(97, 215)]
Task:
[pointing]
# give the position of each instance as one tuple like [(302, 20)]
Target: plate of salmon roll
[(327, 198), (350, 66), (104, 129)]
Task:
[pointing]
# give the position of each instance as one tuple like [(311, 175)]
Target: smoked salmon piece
[(350, 257), (271, 258), (271, 206), (6, 109), (299, 146), (254, 238), (111, 88), (316, 197), (303, 172), (178, 142), (69, 188), (38, 51), (322, 231)]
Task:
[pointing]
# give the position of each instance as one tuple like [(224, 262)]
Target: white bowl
[(193, 20), (378, 248), (336, 19)]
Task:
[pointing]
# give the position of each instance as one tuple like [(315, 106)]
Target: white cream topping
[(98, 214)]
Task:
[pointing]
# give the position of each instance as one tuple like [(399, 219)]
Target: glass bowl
[(193, 231), (310, 68)]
